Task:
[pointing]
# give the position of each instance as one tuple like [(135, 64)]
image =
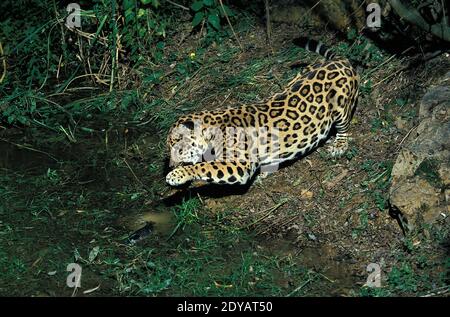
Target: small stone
[(400, 123)]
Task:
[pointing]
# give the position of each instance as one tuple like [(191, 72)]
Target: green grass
[(417, 273), (377, 181), (186, 214), (363, 221), (204, 255)]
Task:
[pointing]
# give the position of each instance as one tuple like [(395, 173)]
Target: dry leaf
[(306, 194)]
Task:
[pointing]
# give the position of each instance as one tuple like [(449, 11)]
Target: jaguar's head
[(186, 143)]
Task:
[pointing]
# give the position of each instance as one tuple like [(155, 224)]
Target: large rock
[(420, 177), (337, 14)]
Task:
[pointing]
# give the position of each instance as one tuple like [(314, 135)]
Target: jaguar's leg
[(340, 144), (217, 172), (260, 177), (265, 171)]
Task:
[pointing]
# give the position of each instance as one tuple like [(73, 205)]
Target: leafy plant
[(145, 28), (361, 50), (379, 176), (210, 13), (186, 214), (403, 278)]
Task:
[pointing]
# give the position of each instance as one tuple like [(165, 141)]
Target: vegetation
[(83, 117)]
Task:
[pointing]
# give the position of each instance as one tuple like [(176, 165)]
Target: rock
[(444, 174), (420, 176), (417, 200), (433, 98)]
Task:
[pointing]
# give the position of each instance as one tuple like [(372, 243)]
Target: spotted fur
[(288, 125)]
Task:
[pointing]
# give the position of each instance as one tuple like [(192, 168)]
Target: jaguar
[(231, 145)]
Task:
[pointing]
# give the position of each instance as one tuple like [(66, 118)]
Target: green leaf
[(33, 105), (208, 3), (196, 6), (128, 4), (226, 10), (198, 17), (352, 34), (141, 12), (142, 32), (129, 15), (93, 254), (154, 3), (160, 45), (214, 20), (213, 11), (400, 102)]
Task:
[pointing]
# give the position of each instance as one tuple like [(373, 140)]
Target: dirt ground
[(334, 213)]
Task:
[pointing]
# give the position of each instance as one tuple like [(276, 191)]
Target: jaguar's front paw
[(177, 177)]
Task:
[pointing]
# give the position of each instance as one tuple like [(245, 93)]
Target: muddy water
[(163, 222)]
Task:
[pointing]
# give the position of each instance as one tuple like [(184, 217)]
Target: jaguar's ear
[(188, 125)]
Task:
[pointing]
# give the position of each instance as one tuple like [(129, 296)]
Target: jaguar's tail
[(314, 46)]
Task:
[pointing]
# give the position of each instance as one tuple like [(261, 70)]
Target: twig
[(379, 66), (223, 101), (3, 58), (58, 106), (59, 66), (439, 291), (81, 76), (206, 67), (114, 36), (390, 76), (132, 172), (385, 62), (231, 26), (63, 36), (20, 146), (178, 5), (404, 138), (310, 10), (267, 213), (444, 14), (268, 26), (299, 288)]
